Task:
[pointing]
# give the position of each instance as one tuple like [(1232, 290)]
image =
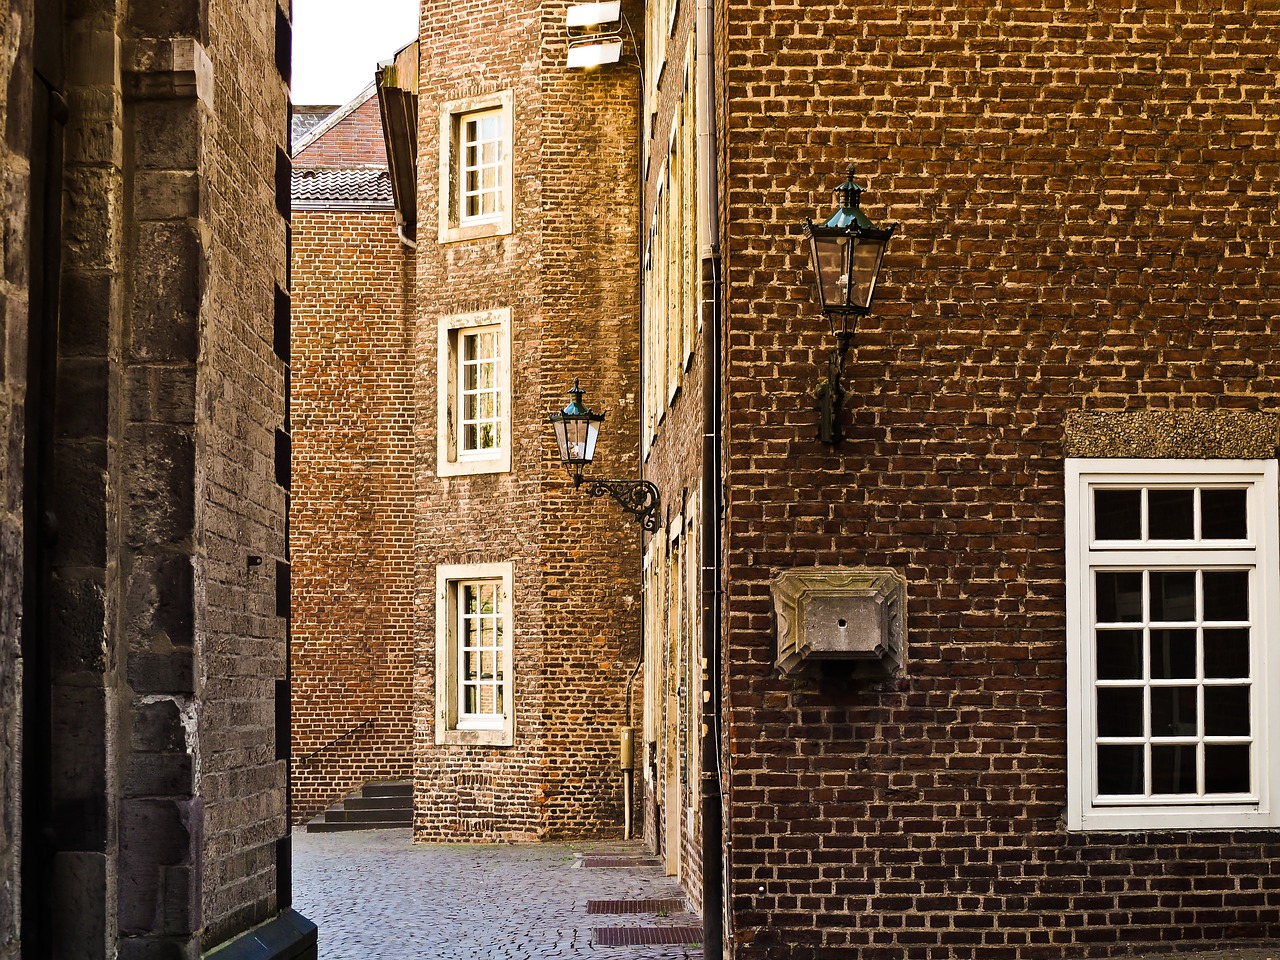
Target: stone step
[(319, 825), (378, 803), (389, 788), (342, 813)]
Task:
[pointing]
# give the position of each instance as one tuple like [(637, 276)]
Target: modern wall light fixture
[(593, 37), (577, 428), (846, 252)]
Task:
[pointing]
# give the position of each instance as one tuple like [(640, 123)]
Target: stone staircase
[(378, 806)]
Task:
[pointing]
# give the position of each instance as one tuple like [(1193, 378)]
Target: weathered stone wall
[(156, 657), (1088, 224), (15, 147), (351, 521)]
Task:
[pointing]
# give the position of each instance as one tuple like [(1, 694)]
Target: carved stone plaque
[(853, 614)]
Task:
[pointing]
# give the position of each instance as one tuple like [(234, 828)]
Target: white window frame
[(1085, 555), (452, 459), (455, 225), (453, 725)]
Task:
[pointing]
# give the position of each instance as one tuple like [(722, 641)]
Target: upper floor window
[(1172, 654), (474, 393), (475, 167)]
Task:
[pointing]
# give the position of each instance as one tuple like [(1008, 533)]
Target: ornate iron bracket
[(830, 392), (636, 497)]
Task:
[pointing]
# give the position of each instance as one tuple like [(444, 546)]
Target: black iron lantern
[(577, 427), (846, 253)]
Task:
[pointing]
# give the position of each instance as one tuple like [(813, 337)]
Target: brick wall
[(573, 312), (1088, 223), (352, 514), (354, 141), (240, 506)]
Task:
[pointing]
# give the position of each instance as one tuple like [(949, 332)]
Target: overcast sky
[(337, 45)]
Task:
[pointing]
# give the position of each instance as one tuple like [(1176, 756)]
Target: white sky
[(337, 45)]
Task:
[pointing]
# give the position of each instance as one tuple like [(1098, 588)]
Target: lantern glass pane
[(562, 440), (865, 268), (589, 440), (829, 255)]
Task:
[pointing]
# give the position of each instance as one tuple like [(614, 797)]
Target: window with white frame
[(1172, 666), (473, 429), (474, 681), (475, 167)]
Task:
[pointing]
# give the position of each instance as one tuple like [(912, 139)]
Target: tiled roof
[(324, 188)]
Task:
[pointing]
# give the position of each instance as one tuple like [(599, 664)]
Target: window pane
[(471, 700), (1117, 514), (1226, 653), (1119, 597), (1226, 711), (1119, 654), (1171, 515), (1173, 654), (1173, 712), (1226, 768), (1173, 595), (470, 666), (1224, 515), (1120, 712), (1173, 769), (1120, 769), (1226, 595)]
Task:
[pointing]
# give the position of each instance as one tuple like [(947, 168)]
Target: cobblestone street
[(376, 896)]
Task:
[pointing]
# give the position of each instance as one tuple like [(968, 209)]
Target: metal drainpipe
[(709, 219)]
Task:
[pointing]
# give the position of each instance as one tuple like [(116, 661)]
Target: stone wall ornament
[(856, 615)]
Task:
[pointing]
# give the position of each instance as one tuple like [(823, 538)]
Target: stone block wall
[(1087, 210), (153, 788), (15, 147), (352, 512)]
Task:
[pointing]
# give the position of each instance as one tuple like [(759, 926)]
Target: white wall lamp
[(593, 37)]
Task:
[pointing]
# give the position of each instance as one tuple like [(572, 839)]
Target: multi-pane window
[(475, 195), (481, 677), (480, 391), (474, 682), (1171, 570), (473, 427), (482, 149)]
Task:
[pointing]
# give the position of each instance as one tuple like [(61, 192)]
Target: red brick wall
[(1088, 223), (354, 141), (352, 505)]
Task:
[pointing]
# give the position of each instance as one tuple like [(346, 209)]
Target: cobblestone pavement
[(376, 896)]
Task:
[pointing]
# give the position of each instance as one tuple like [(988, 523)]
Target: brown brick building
[(425, 473), (527, 258), (1058, 471), (351, 517), (143, 560)]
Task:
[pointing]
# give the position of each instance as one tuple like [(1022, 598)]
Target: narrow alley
[(377, 896)]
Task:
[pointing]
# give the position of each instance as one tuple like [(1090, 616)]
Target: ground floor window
[(1172, 655), (473, 654)]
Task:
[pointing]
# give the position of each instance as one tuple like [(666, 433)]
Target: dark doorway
[(48, 120)]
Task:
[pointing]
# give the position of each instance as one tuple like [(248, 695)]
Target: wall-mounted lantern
[(576, 428), (846, 252)]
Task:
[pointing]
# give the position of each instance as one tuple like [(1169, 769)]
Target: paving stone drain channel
[(376, 895)]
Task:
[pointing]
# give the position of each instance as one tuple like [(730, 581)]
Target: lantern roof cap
[(575, 410)]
